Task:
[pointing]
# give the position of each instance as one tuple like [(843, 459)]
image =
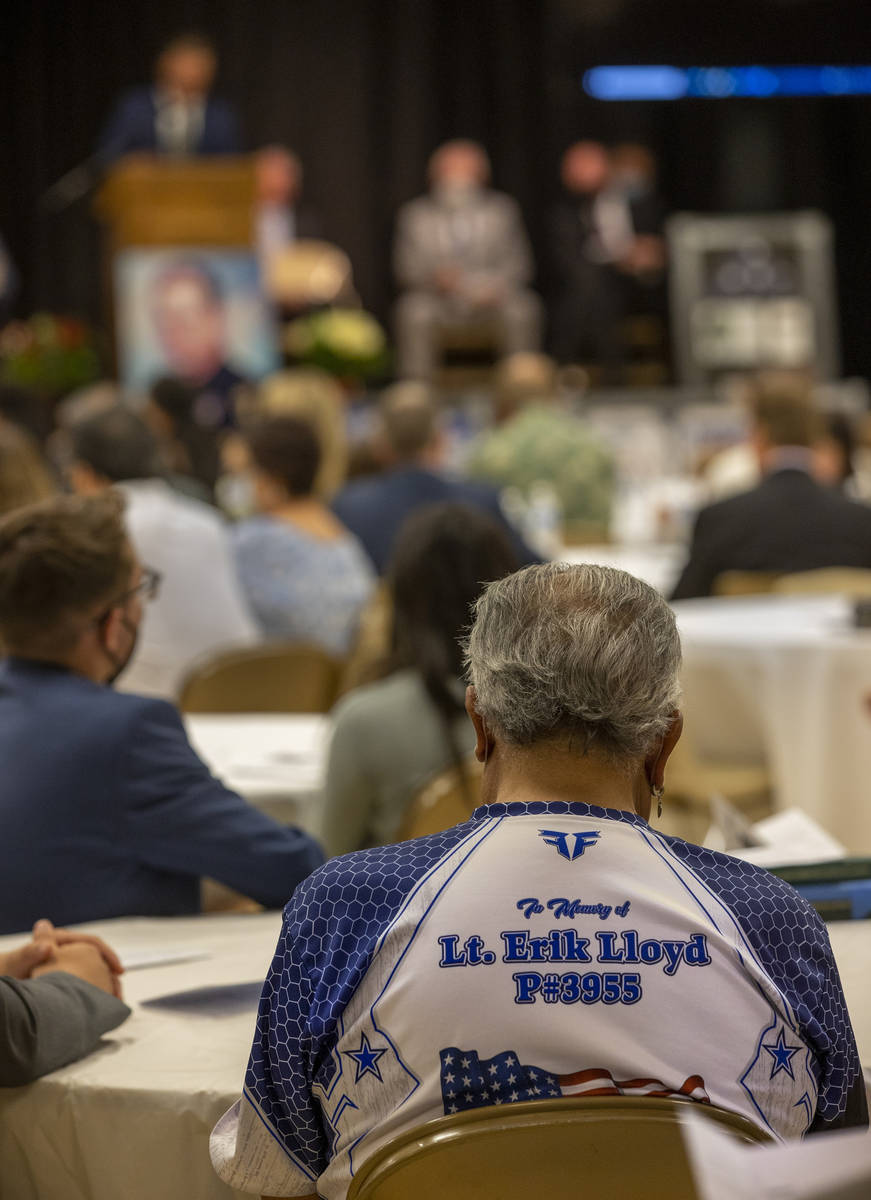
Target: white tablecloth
[(131, 1121), (657, 563), (275, 761), (784, 680)]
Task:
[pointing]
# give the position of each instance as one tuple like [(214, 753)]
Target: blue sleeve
[(184, 820), (793, 947), (231, 131), (331, 928), (118, 133)]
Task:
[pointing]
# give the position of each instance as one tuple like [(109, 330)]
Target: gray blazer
[(485, 238), (48, 1022)]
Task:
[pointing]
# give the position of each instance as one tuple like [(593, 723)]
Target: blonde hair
[(316, 398), (24, 476)]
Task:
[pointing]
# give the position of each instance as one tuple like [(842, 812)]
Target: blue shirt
[(302, 588), (106, 811), (537, 950)]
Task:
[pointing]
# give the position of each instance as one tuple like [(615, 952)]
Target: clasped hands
[(79, 954)]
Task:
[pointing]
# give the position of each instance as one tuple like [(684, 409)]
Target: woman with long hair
[(392, 736)]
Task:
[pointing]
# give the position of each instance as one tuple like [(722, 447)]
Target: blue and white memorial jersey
[(538, 950)]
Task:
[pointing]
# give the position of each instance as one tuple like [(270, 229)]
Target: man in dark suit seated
[(375, 507), (606, 250), (176, 115), (105, 809), (789, 522)]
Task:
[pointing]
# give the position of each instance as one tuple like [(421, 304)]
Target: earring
[(657, 794)]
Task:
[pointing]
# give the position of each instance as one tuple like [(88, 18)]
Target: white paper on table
[(136, 960), (836, 1166), (785, 838)]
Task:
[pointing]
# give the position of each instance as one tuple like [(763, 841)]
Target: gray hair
[(557, 650)]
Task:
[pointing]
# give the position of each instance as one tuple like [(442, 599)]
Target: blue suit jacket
[(131, 127), (105, 809), (375, 508)]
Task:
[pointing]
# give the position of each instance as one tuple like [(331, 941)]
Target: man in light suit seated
[(176, 115), (105, 809), (461, 257)]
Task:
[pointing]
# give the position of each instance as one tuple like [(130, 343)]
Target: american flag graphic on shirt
[(472, 1082)]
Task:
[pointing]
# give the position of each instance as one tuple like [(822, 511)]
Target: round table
[(277, 761), (133, 1119), (785, 680)]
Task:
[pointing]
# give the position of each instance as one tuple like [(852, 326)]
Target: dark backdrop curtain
[(364, 89)]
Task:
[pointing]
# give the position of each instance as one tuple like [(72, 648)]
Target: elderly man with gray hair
[(554, 944)]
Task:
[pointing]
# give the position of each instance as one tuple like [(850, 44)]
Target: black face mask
[(119, 664)]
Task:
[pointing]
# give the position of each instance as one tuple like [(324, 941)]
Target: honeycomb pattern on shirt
[(331, 927), (792, 944)]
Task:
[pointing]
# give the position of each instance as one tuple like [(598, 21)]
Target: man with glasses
[(105, 809)]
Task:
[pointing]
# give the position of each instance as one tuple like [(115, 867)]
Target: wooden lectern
[(148, 201)]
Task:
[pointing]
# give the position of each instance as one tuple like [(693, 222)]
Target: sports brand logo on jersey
[(555, 837)]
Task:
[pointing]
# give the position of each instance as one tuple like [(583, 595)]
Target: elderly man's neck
[(563, 770)]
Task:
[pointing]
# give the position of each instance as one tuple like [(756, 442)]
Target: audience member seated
[(537, 440), (552, 940), (391, 737), (306, 578), (59, 994), (461, 256), (314, 396), (375, 507), (789, 522), (201, 606), (839, 460), (604, 237), (24, 476), (105, 809), (177, 115), (190, 451)]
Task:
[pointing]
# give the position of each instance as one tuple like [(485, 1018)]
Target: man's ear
[(483, 740), (111, 631)]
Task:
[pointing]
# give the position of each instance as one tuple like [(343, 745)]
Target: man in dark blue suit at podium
[(176, 115)]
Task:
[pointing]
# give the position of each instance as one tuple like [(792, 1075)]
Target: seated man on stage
[(177, 115), (105, 809), (552, 945), (606, 251), (283, 217), (461, 257)]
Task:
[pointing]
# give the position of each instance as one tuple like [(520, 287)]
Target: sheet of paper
[(836, 1166)]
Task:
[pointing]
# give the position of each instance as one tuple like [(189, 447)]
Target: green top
[(543, 443), (388, 742)]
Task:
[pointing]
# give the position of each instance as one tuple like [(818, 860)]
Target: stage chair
[(278, 677), (845, 581), (445, 801), (745, 583), (622, 1147)]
